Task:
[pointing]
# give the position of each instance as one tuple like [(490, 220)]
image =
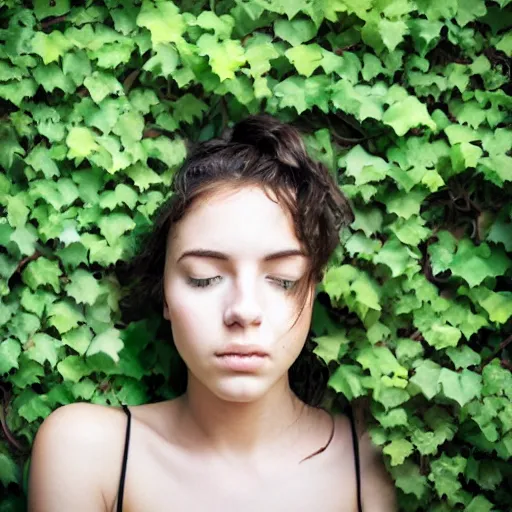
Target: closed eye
[(286, 284)]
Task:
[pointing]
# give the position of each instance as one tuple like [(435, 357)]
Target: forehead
[(240, 222)]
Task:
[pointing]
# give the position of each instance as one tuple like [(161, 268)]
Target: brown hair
[(261, 151)]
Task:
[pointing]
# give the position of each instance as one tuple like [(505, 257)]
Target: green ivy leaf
[(476, 263), (426, 377), (469, 10), (101, 84), (83, 287), (81, 142), (34, 406), (305, 58), (463, 357), (398, 450), (42, 272), (25, 237), (9, 470), (295, 31), (445, 472), (392, 32), (225, 57), (64, 315), (331, 347), (108, 342), (461, 387), (10, 350), (408, 478), (114, 225), (50, 47), (406, 114), (44, 348), (163, 20), (28, 373), (346, 379), (362, 166), (73, 368)]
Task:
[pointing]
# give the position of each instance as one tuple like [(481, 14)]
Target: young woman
[(233, 261)]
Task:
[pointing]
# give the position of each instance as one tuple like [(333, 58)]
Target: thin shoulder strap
[(125, 460), (355, 443)]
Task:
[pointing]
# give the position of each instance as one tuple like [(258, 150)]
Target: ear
[(166, 310)]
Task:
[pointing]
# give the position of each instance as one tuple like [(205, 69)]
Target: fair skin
[(238, 436)]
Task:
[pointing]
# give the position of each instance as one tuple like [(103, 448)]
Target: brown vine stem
[(24, 261), (3, 422), (53, 21), (502, 346)]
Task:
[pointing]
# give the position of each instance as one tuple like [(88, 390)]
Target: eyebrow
[(206, 253)]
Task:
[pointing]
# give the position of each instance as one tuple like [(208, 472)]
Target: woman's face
[(237, 294)]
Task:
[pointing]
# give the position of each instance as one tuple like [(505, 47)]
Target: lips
[(242, 350)]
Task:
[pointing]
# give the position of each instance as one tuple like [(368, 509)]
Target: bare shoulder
[(378, 491), (75, 458)]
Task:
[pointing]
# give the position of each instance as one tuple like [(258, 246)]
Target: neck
[(240, 428)]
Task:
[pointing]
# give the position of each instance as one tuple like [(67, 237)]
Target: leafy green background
[(409, 99)]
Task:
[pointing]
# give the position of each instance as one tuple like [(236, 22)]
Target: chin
[(242, 389)]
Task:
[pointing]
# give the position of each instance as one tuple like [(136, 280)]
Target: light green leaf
[(73, 368), (225, 57), (362, 166), (171, 152), (83, 287), (346, 379), (441, 336), (305, 58), (406, 204), (78, 339), (395, 255), (17, 211), (25, 237), (470, 10), (392, 32), (50, 46), (222, 26), (64, 315), (164, 62), (163, 19), (407, 114), (426, 377), (461, 387), (41, 272), (10, 350), (398, 450), (331, 347), (81, 142), (476, 263), (291, 93), (44, 9), (296, 31), (108, 342), (497, 304), (463, 357), (43, 348), (114, 225), (410, 231), (408, 478), (100, 84), (142, 176), (369, 220)]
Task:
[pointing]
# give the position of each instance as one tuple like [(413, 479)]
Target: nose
[(243, 308)]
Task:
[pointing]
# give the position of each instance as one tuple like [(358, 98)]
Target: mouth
[(242, 351)]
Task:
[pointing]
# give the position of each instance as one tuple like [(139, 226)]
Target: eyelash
[(286, 284)]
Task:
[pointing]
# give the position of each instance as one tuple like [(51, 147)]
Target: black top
[(127, 443)]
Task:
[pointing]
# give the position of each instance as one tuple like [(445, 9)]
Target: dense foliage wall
[(408, 102)]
